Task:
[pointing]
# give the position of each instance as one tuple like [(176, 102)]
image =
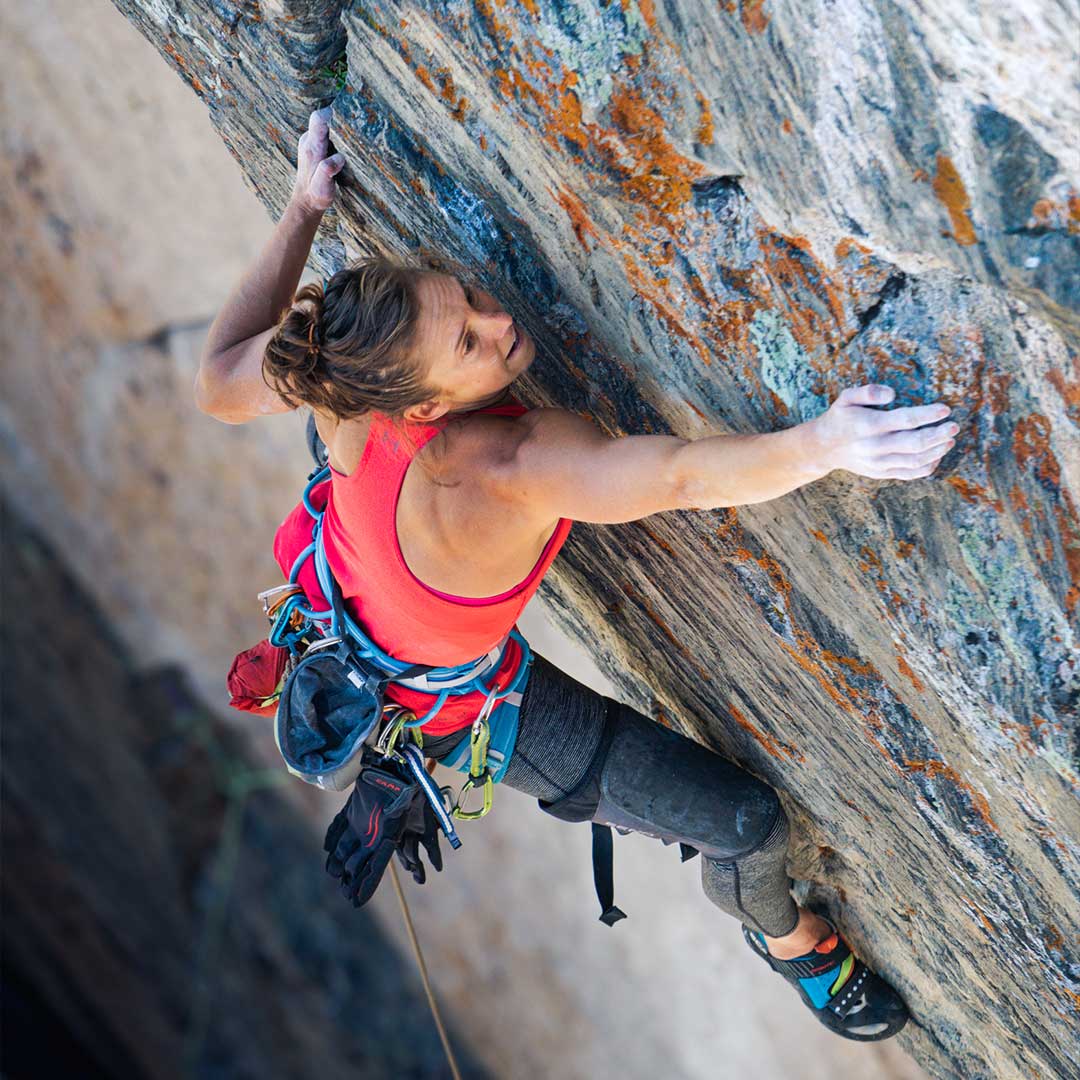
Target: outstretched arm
[(229, 384), (564, 466)]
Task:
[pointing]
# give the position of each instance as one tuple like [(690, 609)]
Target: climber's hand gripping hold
[(315, 170), (881, 445)]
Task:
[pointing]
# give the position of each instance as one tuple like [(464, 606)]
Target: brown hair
[(348, 348)]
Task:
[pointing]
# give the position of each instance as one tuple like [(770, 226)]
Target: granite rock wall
[(713, 218)]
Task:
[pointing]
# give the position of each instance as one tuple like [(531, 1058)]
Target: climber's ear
[(427, 411)]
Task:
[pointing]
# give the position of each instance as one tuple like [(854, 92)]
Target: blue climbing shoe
[(846, 996)]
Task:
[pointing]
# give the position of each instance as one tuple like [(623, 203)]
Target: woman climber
[(408, 362)]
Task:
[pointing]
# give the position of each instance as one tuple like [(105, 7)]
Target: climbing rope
[(432, 1004)]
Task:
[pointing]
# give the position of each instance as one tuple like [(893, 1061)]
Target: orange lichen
[(422, 74), (483, 142), (648, 13), (731, 527), (872, 561), (1069, 391), (974, 493), (939, 768), (777, 403), (695, 408), (952, 194), (656, 540), (821, 536), (787, 127), (978, 911), (904, 548), (812, 325), (705, 127), (906, 670), (665, 311), (686, 653), (1031, 442), (172, 51), (847, 245), (1022, 740), (1056, 214), (1070, 544), (754, 19), (920, 176), (774, 749), (499, 31), (659, 177)]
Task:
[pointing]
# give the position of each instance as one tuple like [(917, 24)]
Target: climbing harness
[(332, 716)]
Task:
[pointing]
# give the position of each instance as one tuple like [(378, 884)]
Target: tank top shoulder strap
[(387, 435)]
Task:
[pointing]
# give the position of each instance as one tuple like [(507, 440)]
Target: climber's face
[(474, 350)]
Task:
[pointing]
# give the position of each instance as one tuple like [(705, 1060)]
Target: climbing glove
[(421, 827), (386, 813)]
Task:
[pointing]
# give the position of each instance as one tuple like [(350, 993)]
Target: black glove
[(368, 829), (421, 827)]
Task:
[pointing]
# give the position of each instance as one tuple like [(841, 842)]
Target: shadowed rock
[(713, 219), (165, 913)]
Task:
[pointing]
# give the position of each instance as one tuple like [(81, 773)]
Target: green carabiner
[(478, 769), (459, 810)]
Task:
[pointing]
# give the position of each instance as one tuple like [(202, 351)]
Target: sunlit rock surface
[(714, 219)]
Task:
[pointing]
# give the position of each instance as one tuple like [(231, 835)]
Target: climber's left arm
[(229, 384)]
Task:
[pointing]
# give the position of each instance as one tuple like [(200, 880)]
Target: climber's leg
[(586, 756), (657, 782)]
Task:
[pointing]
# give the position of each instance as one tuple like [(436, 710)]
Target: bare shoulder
[(484, 442)]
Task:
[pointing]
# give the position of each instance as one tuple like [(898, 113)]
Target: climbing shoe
[(844, 993)]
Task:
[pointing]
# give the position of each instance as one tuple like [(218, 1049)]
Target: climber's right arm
[(229, 384), (564, 466)]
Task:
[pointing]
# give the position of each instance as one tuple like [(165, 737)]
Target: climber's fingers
[(866, 394), (918, 442), (315, 171), (883, 443), (903, 419), (313, 142), (907, 466)]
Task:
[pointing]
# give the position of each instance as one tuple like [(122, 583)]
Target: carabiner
[(396, 718), (470, 784)]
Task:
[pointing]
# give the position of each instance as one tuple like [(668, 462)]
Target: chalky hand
[(884, 445), (315, 171)]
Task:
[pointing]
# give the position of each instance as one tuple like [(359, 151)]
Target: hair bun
[(345, 346)]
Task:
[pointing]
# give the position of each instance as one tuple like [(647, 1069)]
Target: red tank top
[(402, 615)]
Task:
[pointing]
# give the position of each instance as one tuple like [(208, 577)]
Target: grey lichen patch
[(784, 367), (592, 41), (1034, 633)]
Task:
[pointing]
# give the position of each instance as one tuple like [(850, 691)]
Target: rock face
[(714, 218)]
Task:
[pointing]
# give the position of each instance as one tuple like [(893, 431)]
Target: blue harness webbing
[(442, 682)]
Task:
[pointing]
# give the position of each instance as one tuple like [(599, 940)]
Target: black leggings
[(586, 756)]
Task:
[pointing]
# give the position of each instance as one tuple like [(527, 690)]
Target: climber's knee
[(657, 782)]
